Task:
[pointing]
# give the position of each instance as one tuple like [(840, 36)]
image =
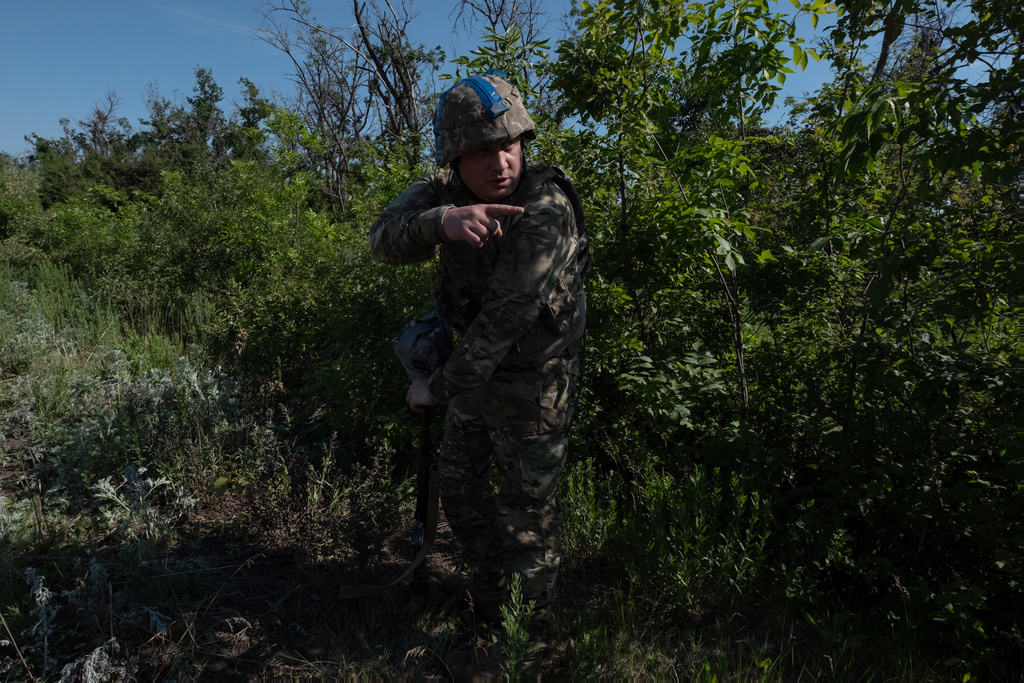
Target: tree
[(328, 92), (396, 72), (203, 124), (512, 43), (191, 135), (502, 16), (353, 86), (99, 127), (244, 136)]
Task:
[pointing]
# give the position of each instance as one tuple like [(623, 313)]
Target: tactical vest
[(464, 272)]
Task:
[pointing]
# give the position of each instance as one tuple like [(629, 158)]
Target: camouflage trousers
[(510, 521)]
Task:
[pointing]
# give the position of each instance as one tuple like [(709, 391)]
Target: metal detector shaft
[(426, 464)]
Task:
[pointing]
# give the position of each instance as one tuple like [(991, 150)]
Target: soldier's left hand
[(418, 397)]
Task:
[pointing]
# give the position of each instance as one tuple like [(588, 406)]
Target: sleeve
[(534, 252), (410, 228)]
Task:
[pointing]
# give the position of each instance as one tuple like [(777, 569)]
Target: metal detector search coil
[(423, 345)]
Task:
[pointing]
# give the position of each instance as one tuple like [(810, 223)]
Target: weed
[(591, 511), (132, 512), (516, 616), (43, 616), (99, 665)]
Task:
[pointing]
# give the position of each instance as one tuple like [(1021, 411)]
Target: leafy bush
[(18, 197)]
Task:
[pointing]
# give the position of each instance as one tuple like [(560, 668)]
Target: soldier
[(512, 259)]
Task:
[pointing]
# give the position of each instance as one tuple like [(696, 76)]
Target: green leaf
[(730, 261), (220, 485)]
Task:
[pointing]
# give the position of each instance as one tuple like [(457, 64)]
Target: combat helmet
[(478, 110)]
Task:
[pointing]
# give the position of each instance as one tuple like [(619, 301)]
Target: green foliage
[(99, 408), (18, 197), (79, 234), (516, 616), (510, 53), (111, 450), (591, 510), (802, 378), (701, 538), (828, 315), (131, 512)]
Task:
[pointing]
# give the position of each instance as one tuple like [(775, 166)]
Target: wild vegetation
[(798, 454)]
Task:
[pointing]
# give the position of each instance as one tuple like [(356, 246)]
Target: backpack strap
[(583, 248)]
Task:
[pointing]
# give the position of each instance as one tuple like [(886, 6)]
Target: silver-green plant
[(132, 512), (98, 665), (43, 615)]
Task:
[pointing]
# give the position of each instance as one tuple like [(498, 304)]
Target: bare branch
[(500, 15), (328, 89)]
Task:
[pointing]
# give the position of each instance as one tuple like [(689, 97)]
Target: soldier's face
[(491, 172)]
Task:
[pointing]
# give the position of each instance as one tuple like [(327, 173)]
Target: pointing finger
[(493, 210)]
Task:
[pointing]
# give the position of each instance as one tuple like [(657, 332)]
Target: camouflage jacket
[(518, 298)]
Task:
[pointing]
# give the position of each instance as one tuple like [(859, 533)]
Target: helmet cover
[(478, 110)]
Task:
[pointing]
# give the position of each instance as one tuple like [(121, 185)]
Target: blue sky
[(59, 58)]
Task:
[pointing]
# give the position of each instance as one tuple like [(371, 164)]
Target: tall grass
[(113, 444)]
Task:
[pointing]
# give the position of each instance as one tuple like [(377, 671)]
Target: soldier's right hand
[(476, 223)]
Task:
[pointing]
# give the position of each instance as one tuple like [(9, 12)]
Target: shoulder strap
[(583, 250), (537, 173)]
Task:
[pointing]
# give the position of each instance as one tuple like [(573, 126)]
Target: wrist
[(445, 237)]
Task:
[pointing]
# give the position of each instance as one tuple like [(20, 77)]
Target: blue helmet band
[(488, 95)]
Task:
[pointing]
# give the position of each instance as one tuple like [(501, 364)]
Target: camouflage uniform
[(517, 303)]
